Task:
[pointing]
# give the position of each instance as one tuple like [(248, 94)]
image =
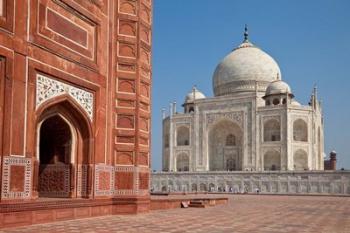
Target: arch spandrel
[(49, 88), (235, 117)]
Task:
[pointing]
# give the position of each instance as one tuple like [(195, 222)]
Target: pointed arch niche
[(225, 143), (64, 144)]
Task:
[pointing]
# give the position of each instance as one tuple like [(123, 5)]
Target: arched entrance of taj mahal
[(225, 143), (63, 149)]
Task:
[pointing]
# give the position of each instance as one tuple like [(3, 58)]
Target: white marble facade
[(253, 122)]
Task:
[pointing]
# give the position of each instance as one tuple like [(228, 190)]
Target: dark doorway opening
[(55, 141), (55, 149)]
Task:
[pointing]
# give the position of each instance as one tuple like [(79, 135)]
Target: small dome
[(278, 87), (295, 103), (245, 68), (195, 94)]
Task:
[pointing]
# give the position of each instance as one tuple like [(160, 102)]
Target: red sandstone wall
[(102, 47), (131, 134)]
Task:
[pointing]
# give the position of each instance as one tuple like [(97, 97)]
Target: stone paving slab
[(244, 213)]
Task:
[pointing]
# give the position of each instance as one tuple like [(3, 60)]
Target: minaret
[(171, 109), (163, 113), (194, 92), (313, 101)]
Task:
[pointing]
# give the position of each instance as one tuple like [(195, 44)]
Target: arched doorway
[(182, 163), (272, 161), (225, 140), (55, 141), (300, 160), (63, 152), (300, 131), (272, 131), (183, 136), (56, 147)]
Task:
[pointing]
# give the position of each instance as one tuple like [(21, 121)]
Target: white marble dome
[(244, 68), (278, 87), (195, 94)]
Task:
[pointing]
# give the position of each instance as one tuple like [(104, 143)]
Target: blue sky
[(310, 40)]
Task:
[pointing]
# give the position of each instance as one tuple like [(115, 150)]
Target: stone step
[(197, 204)]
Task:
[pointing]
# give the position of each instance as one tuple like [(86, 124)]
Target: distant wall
[(303, 182)]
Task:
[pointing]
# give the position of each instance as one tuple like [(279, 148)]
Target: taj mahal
[(252, 123)]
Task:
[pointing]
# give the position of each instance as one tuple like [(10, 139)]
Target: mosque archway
[(194, 187), (272, 161), (183, 136), (203, 187), (272, 131), (182, 163), (300, 131), (63, 152), (212, 187), (300, 160), (225, 146)]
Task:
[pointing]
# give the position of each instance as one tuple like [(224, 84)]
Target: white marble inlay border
[(48, 88)]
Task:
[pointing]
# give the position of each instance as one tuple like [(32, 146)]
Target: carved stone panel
[(48, 88), (236, 117)]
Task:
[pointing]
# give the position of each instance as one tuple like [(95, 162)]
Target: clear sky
[(310, 40)]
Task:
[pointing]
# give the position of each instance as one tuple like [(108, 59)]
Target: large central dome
[(244, 69)]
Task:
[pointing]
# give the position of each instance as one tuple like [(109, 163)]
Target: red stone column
[(132, 100)]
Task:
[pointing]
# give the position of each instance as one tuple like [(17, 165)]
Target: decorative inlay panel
[(145, 34), (126, 172), (104, 180), (143, 180), (127, 28), (145, 14), (127, 7), (7, 14), (267, 118), (143, 158), (69, 32), (127, 50), (236, 117), (125, 121), (124, 157), (125, 85), (130, 68), (82, 188), (9, 192), (47, 88)]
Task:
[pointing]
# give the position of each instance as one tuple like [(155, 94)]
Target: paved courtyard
[(243, 214)]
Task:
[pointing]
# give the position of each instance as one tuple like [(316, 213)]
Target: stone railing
[(286, 182), (54, 180)]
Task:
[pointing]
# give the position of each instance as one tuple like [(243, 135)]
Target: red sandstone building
[(75, 78)]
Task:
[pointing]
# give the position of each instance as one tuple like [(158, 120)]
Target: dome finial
[(246, 33)]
